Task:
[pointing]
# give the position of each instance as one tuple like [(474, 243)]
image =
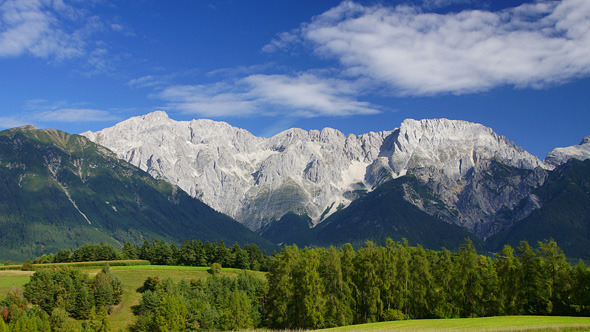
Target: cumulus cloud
[(417, 53), (303, 95), (75, 115)]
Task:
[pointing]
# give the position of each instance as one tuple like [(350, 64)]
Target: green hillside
[(385, 213), (60, 191), (564, 216)]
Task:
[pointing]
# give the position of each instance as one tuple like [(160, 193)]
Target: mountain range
[(434, 182), (61, 191), (463, 173), (315, 173)]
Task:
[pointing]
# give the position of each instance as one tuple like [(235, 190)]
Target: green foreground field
[(504, 323), (133, 277)]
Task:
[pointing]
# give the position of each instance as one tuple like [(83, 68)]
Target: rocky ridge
[(257, 180), (559, 156)]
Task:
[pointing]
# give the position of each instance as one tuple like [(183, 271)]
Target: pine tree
[(508, 269), (535, 286), (338, 294), (420, 285), (468, 284), (443, 271), (369, 283), (558, 272), (279, 307), (308, 292)]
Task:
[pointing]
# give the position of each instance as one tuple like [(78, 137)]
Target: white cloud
[(35, 27), (56, 31), (9, 122), (433, 4), (416, 53), (144, 82), (304, 95), (282, 41), (75, 115)]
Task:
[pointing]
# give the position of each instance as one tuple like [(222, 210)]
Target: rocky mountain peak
[(560, 156)]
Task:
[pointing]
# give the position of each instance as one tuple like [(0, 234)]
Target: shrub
[(215, 269)]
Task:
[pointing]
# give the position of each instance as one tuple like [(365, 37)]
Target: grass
[(12, 279), (503, 323)]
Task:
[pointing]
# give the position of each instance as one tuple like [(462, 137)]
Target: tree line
[(326, 287), (158, 252)]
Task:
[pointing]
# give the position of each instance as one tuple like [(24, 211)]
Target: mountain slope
[(564, 216), (315, 173), (385, 213), (59, 190)]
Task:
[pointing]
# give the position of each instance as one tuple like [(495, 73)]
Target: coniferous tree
[(534, 283), (308, 291), (421, 284), (338, 295), (558, 272), (508, 269), (368, 282), (403, 276), (389, 276), (580, 301), (468, 283), (278, 311), (128, 251), (443, 271)]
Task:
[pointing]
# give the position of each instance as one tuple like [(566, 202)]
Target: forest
[(319, 287), (158, 252)]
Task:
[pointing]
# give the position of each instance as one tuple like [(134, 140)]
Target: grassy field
[(12, 279), (505, 323)]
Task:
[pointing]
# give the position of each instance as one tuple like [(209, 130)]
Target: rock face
[(258, 180), (252, 179), (559, 156)]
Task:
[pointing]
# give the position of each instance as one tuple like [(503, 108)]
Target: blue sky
[(519, 67)]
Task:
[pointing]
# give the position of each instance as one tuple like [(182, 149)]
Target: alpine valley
[(433, 182)]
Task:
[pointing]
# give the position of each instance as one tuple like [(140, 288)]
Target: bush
[(215, 269), (27, 266), (150, 284), (392, 314)]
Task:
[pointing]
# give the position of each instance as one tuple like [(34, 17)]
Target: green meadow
[(504, 323)]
